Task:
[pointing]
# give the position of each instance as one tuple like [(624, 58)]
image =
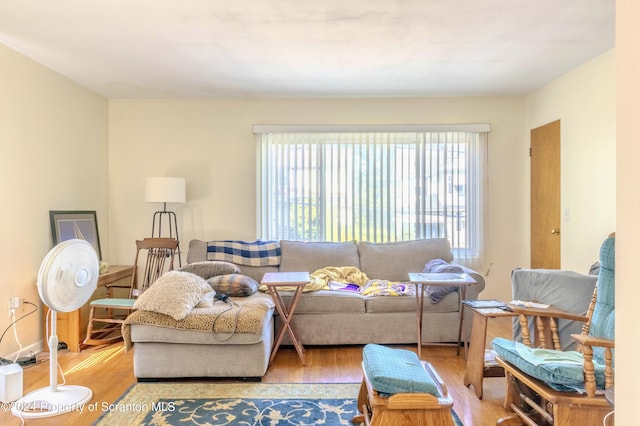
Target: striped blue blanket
[(248, 253)]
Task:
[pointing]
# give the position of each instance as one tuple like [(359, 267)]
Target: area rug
[(251, 404)]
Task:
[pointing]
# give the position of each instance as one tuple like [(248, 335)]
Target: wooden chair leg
[(102, 336), (358, 420), (362, 402), (511, 395), (92, 313), (512, 420)]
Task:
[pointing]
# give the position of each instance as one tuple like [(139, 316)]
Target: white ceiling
[(298, 48)]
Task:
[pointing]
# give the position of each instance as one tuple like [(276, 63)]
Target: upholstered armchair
[(554, 386), (568, 291)]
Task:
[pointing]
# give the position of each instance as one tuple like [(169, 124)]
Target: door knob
[(555, 231)]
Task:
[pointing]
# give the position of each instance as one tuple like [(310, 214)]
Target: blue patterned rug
[(250, 404)]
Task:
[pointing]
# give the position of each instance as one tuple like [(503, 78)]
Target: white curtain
[(376, 186)]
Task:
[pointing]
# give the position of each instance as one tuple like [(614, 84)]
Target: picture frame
[(70, 224)]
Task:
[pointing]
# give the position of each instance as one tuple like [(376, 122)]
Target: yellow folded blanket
[(319, 279), (341, 274)]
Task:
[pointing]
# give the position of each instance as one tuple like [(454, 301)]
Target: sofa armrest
[(197, 251), (473, 291), (566, 290)]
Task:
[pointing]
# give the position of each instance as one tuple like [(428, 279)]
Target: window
[(372, 184)]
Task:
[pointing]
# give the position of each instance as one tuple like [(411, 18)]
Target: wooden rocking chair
[(552, 387), (111, 312)]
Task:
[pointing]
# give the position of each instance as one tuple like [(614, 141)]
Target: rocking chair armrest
[(594, 341), (546, 324), (549, 312), (587, 343)]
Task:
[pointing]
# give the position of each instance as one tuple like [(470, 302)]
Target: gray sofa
[(323, 317)]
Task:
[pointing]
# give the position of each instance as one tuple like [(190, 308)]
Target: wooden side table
[(72, 326), (476, 369), (420, 279), (275, 281)]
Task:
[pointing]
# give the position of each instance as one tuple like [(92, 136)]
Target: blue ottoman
[(399, 389)]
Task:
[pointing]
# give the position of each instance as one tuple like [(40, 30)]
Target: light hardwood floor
[(108, 372)]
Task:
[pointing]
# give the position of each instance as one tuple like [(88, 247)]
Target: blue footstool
[(399, 389)]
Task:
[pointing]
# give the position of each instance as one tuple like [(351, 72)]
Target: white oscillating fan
[(66, 280)]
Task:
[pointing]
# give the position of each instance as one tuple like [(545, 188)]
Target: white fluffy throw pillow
[(175, 294)]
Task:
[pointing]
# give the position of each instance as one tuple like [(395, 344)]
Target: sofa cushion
[(327, 302), (394, 261), (164, 334), (234, 285), (152, 333), (389, 304), (300, 256), (175, 294)]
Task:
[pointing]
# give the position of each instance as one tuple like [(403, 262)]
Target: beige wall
[(628, 206), (584, 102), (210, 143), (53, 135)]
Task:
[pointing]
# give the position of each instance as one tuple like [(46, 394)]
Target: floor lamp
[(165, 190)]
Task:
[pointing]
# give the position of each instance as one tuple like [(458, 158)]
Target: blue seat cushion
[(114, 303), (392, 371), (560, 370)]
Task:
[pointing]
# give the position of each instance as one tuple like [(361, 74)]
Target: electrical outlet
[(15, 302)]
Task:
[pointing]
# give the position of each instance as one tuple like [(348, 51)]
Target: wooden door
[(545, 196)]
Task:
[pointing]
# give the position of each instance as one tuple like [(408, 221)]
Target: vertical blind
[(373, 186)]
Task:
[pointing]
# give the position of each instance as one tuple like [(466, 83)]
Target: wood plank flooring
[(108, 372)]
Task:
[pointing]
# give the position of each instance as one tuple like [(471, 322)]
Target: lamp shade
[(165, 190)]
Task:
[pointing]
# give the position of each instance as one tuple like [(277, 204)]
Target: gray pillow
[(234, 285), (437, 292), (211, 268)]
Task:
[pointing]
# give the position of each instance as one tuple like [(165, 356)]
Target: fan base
[(45, 403)]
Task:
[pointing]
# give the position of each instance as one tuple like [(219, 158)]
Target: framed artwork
[(81, 224)]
